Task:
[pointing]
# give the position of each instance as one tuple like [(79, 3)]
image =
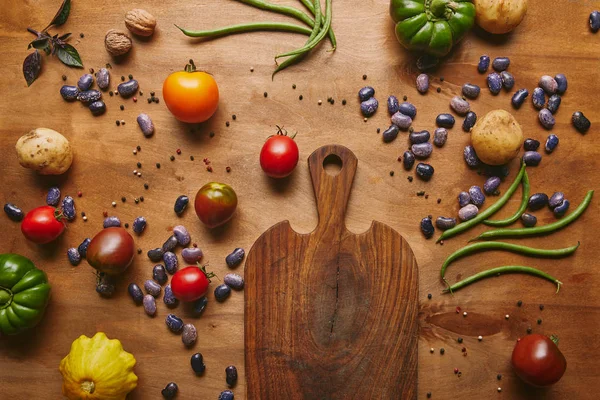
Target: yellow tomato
[(191, 96)]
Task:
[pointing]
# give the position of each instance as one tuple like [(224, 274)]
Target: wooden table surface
[(553, 38)]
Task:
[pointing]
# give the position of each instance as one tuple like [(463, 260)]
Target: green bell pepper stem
[(251, 27), (438, 8), (5, 297)]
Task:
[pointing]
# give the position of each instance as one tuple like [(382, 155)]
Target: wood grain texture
[(332, 314), (554, 37)]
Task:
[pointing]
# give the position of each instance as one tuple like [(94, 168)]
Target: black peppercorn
[(158, 165), (81, 35), (123, 199), (499, 376), (300, 97), (378, 130), (529, 330), (146, 186), (212, 134), (139, 165), (142, 199), (126, 225), (391, 173), (130, 76), (460, 340), (265, 94), (64, 77), (227, 123), (149, 100), (541, 307), (539, 321), (364, 77), (118, 122), (192, 158), (405, 98), (294, 86), (122, 78), (139, 148), (139, 251), (344, 102), (122, 107), (519, 303), (234, 117), (428, 395), (442, 351), (111, 94), (172, 158), (429, 296), (438, 90)]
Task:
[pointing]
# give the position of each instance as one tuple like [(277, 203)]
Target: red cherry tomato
[(537, 360), (111, 251), (279, 155), (215, 204), (190, 283), (42, 225)]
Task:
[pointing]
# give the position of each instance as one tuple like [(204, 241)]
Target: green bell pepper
[(432, 26), (24, 294)]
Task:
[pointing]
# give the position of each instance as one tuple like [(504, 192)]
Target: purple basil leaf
[(32, 66), (62, 14), (68, 55), (65, 36), (39, 44)]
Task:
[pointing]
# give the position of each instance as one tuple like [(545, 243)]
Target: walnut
[(117, 42), (140, 22)]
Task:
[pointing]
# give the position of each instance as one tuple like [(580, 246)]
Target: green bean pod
[(250, 27), (487, 212), (310, 45), (539, 230), (513, 248), (521, 210), (509, 269), (311, 8), (285, 10)]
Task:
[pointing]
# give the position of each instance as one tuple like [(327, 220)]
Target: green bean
[(311, 8), (294, 59), (285, 10), (539, 230), (514, 248), (487, 212), (509, 269), (309, 46), (250, 27), (521, 210)]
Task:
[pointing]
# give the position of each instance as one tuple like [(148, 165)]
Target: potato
[(44, 150), (499, 16), (497, 137)]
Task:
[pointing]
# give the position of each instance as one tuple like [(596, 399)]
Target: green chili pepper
[(251, 27), (539, 230), (514, 248), (488, 212), (509, 269), (521, 210), (432, 26)]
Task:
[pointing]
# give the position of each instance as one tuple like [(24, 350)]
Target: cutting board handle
[(332, 192)]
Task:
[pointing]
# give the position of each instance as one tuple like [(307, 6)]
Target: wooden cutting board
[(331, 314)]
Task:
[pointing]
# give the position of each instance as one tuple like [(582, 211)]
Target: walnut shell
[(140, 22), (117, 42)]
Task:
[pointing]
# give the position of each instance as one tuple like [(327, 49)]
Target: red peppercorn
[(105, 214), (209, 168), (456, 370), (228, 169), (457, 310), (178, 151), (135, 99), (79, 194)]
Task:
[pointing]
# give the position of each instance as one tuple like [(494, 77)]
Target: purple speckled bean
[(128, 89), (460, 105), (103, 78), (401, 121), (440, 135), (82, 248), (366, 93), (419, 137), (422, 150), (145, 124), (89, 96), (468, 212), (170, 243), (508, 80), (159, 274), (551, 143), (393, 105), (562, 208), (537, 201), (97, 107), (189, 335), (546, 118), (445, 223), (501, 63), (139, 224), (409, 109), (68, 208), (155, 254), (369, 107), (182, 235), (408, 160), (74, 256), (222, 292), (484, 64), (531, 144), (171, 262), (111, 222), (532, 158), (191, 255), (234, 281), (174, 323), (470, 156), (491, 184), (149, 305), (528, 220), (538, 98), (477, 196), (561, 81), (53, 196), (85, 82), (469, 121), (494, 82), (549, 84), (553, 103), (390, 134), (464, 198), (422, 83), (169, 298), (69, 93), (427, 228), (152, 288), (556, 199), (470, 90)]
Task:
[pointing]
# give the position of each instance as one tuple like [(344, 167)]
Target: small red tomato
[(215, 204), (537, 360), (279, 155), (190, 283), (42, 225), (111, 251)]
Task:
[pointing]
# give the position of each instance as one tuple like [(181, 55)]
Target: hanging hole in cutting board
[(332, 164)]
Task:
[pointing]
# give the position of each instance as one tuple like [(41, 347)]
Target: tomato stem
[(554, 338), (208, 274), (58, 214)]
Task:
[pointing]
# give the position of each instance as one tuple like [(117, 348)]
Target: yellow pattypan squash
[(97, 369)]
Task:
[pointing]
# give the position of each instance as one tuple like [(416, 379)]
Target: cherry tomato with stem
[(215, 204), (537, 360), (191, 96), (279, 155), (43, 224), (190, 283)]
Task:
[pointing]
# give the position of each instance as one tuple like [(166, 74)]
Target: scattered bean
[(551, 143), (424, 171), (537, 201), (464, 198), (444, 223), (73, 256), (82, 248), (170, 391), (53, 196), (366, 93), (494, 82), (145, 124), (111, 221), (182, 235), (180, 204), (128, 89), (171, 262), (554, 103), (156, 254), (189, 335), (532, 158), (528, 220), (423, 83), (595, 21), (235, 258), (69, 93), (409, 109), (231, 375), (562, 84), (538, 98), (470, 156), (234, 281), (222, 292), (580, 122), (556, 199), (419, 137), (149, 305), (159, 274), (390, 134), (68, 208), (501, 63), (226, 395), (546, 118), (562, 208), (470, 90), (401, 121), (548, 84), (519, 97), (85, 82), (484, 64), (427, 227), (97, 107), (445, 120), (408, 160), (468, 212), (191, 255), (508, 80), (491, 185), (174, 323), (105, 285), (197, 362), (200, 305), (169, 298), (369, 107), (89, 96), (103, 78), (13, 212), (393, 105), (139, 224), (422, 150), (440, 135), (135, 293), (477, 196), (531, 144), (170, 243), (459, 105), (152, 288), (469, 121)]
